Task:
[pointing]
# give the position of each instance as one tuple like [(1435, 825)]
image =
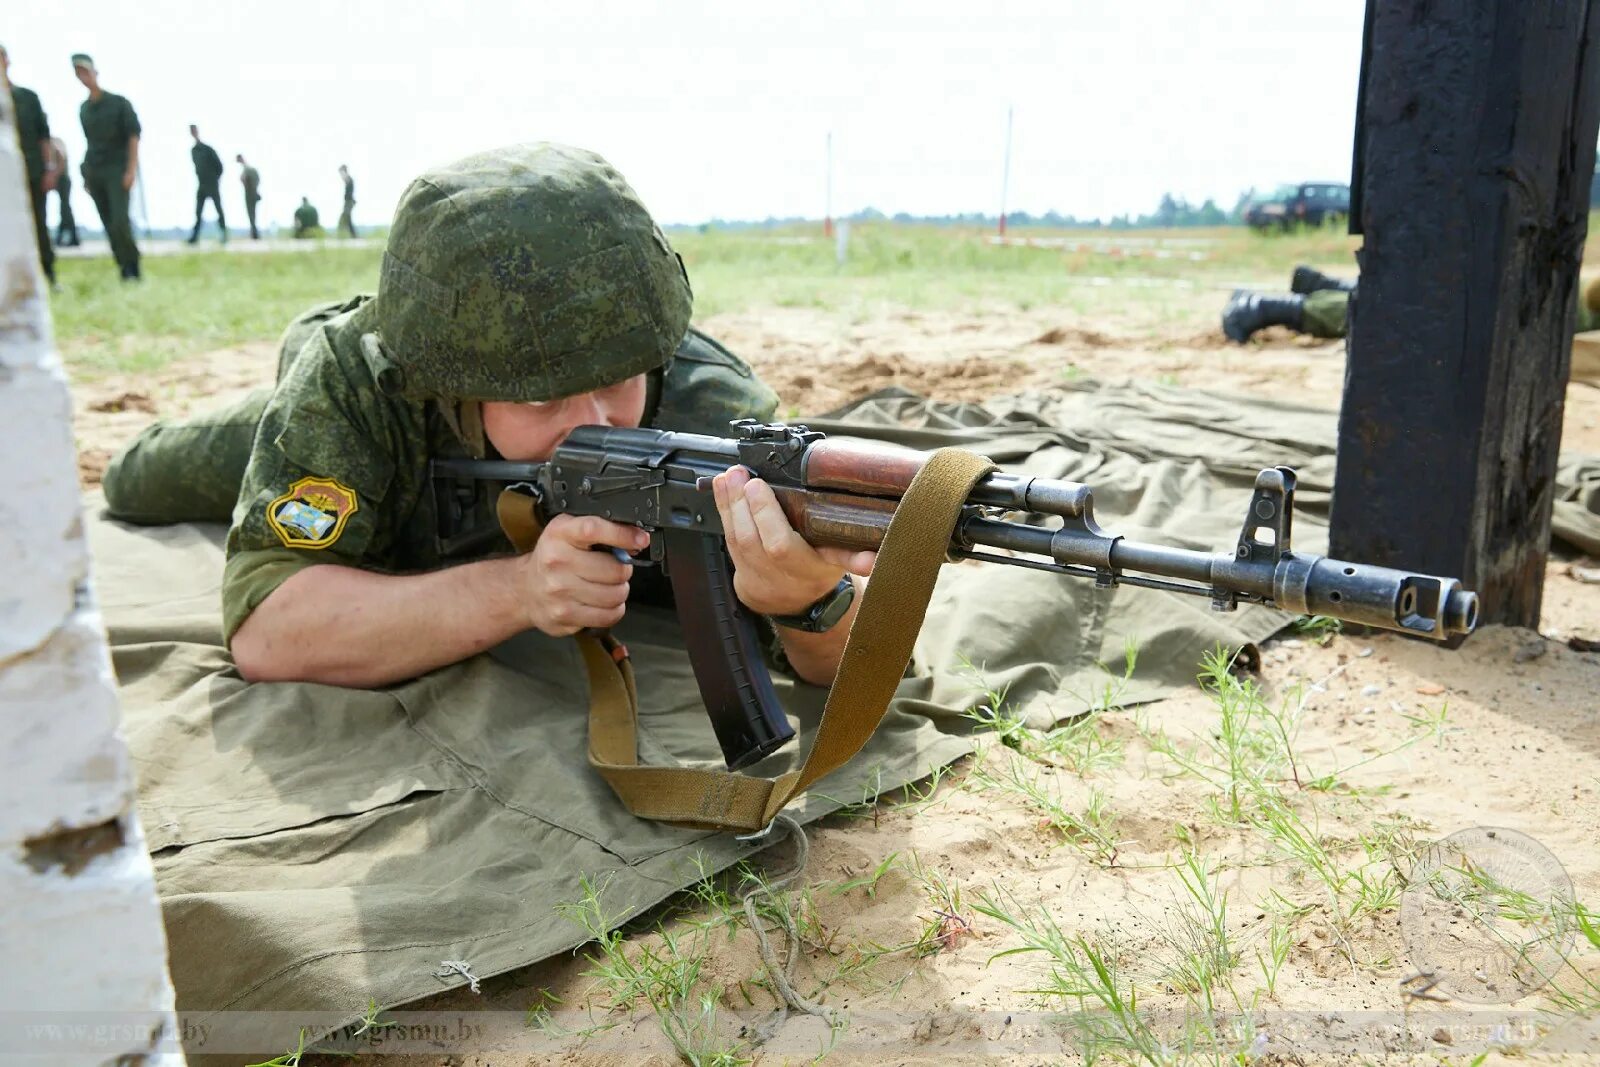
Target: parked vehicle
[(1308, 203)]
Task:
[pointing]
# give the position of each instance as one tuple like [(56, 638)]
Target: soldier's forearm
[(344, 626), (815, 657), (133, 154)]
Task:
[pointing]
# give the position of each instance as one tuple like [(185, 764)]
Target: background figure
[(208, 173), (250, 178), (33, 131), (66, 225), (1319, 304), (345, 223), (1316, 304), (306, 223), (111, 162)]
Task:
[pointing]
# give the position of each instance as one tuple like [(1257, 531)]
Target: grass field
[(197, 303)]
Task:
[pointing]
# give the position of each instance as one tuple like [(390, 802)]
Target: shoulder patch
[(312, 514)]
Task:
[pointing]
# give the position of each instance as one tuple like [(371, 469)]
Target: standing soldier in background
[(208, 173), (250, 178), (33, 131), (111, 163), (306, 223), (345, 223), (66, 225)]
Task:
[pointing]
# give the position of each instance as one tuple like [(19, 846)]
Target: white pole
[(1005, 174), (827, 195)]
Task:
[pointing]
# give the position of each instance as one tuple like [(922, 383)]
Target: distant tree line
[(1172, 211)]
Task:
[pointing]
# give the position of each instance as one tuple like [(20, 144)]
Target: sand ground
[(1503, 733)]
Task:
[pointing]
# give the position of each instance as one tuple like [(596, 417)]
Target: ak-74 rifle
[(843, 494)]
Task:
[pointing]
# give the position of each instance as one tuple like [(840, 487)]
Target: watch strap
[(816, 618)]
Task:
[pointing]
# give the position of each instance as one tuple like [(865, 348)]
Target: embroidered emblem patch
[(312, 513)]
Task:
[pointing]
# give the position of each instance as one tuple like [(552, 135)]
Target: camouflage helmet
[(527, 273)]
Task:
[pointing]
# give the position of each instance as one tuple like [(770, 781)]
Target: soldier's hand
[(127, 179), (775, 571), (568, 585)]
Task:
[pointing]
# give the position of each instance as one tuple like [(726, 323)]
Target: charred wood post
[(1475, 145)]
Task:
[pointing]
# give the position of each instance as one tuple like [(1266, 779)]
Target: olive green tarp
[(317, 848)]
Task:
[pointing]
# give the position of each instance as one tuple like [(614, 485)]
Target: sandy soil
[(1518, 746)]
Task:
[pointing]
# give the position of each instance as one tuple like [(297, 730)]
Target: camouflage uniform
[(1319, 305), (332, 465), (1326, 314), (378, 445)]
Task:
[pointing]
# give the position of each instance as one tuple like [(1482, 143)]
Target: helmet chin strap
[(465, 419)]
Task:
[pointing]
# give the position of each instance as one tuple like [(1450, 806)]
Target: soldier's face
[(529, 433)]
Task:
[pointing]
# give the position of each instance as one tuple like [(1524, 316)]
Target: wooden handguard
[(857, 467), (833, 520)]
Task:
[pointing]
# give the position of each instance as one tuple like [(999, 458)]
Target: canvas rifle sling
[(874, 660)]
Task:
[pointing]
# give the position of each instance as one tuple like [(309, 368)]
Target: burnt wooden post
[(1475, 144)]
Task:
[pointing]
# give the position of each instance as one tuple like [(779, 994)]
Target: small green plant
[(668, 976), (1199, 931), (370, 1023), (948, 924), (291, 1058), (1084, 972), (992, 710), (541, 1015), (1578, 992), (1078, 745), (1280, 937), (1092, 831), (1250, 746), (868, 881), (1108, 695), (1366, 889), (1318, 628)]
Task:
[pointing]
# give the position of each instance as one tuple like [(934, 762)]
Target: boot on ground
[(1310, 280), (1249, 311)]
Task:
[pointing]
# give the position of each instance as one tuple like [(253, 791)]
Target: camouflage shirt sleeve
[(329, 477)]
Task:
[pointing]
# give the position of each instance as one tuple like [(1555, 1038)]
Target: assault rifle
[(843, 494)]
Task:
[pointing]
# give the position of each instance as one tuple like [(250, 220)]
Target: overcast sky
[(723, 108)]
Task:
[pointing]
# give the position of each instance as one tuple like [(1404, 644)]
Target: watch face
[(837, 605)]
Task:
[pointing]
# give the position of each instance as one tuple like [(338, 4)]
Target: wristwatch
[(824, 613)]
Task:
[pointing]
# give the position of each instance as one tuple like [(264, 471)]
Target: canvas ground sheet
[(317, 848)]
